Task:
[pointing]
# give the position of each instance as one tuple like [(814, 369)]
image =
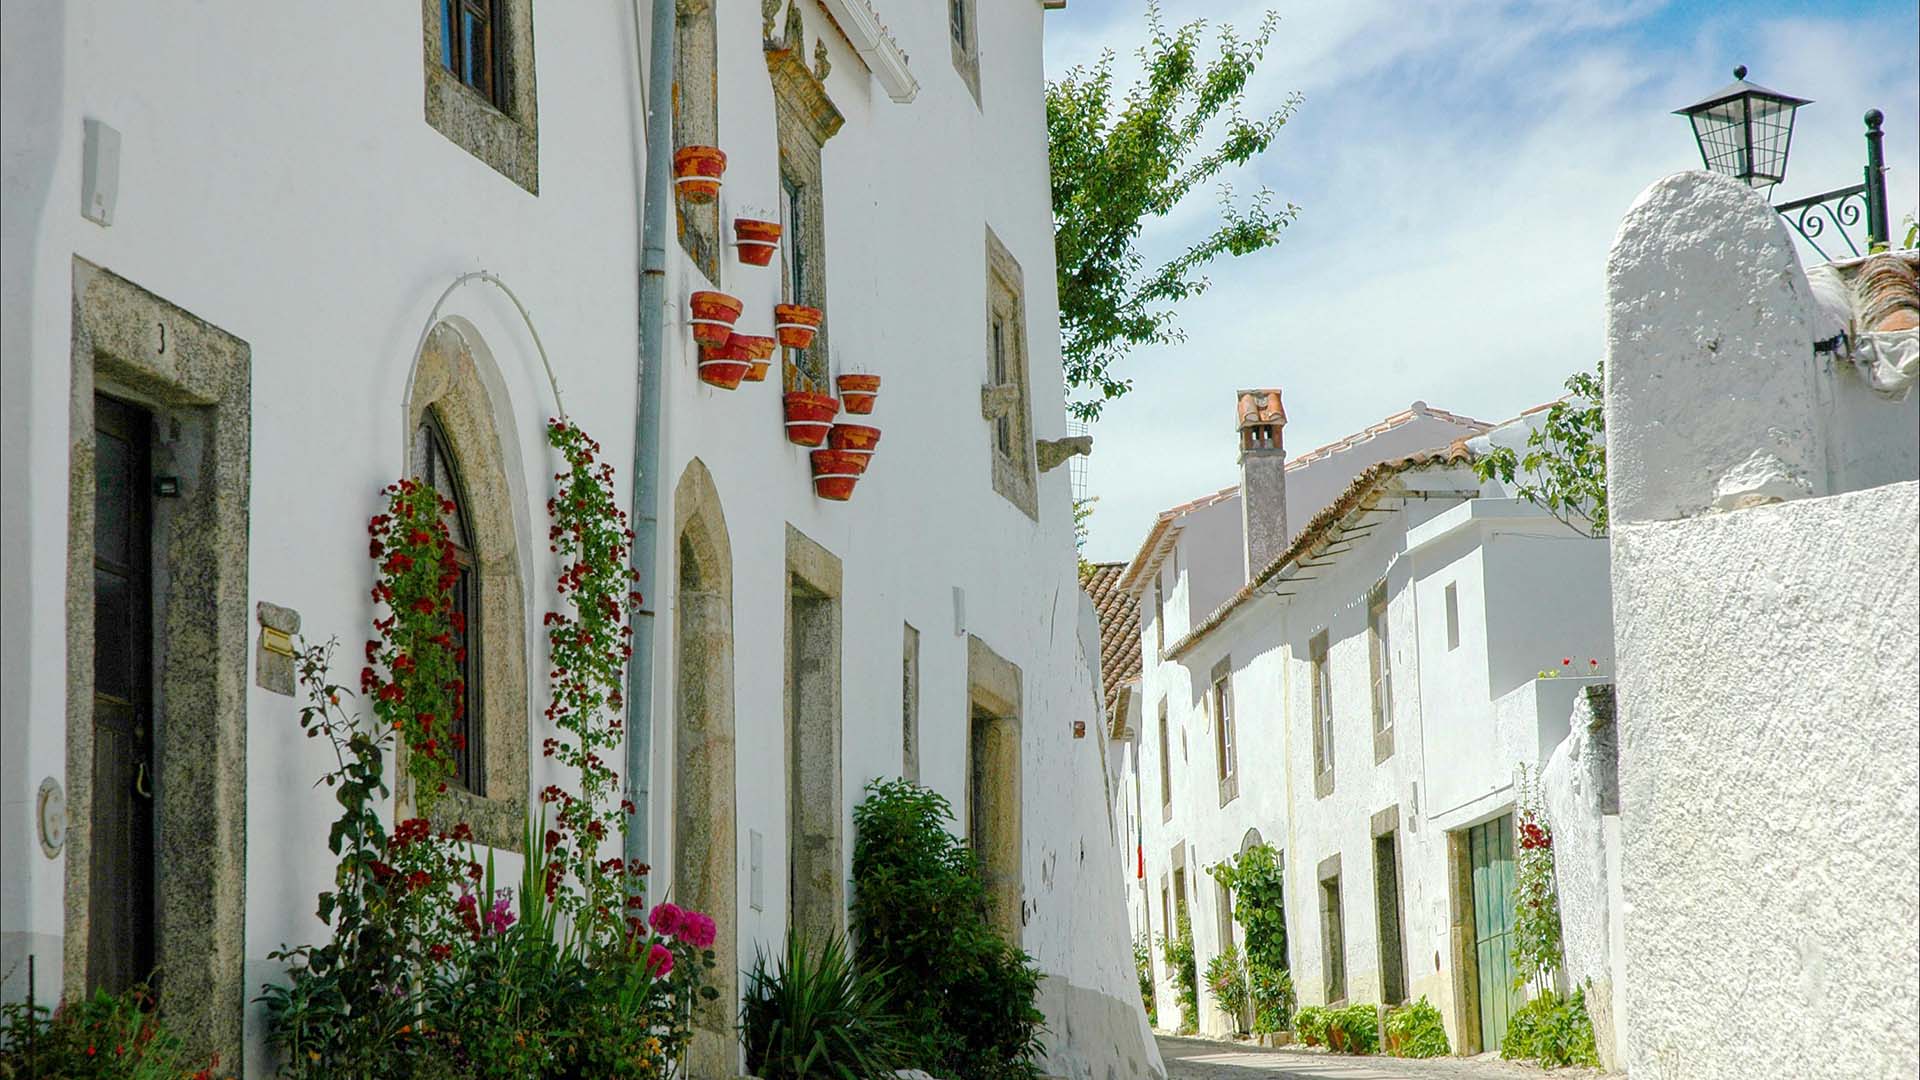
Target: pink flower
[(500, 917), (697, 930), (666, 920), (659, 960)]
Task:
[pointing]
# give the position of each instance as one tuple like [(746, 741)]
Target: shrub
[(1359, 1024), (1271, 989), (1415, 1030), (1552, 1030), (1310, 1023), (965, 995), (1178, 952), (1143, 969), (104, 1037), (1227, 981), (815, 1015)]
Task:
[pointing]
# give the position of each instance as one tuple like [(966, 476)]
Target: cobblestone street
[(1204, 1059)]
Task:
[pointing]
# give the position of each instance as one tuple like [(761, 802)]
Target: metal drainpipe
[(646, 420)]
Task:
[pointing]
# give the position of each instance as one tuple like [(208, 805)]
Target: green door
[(1491, 848)]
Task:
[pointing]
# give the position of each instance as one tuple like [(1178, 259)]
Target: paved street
[(1203, 1059)]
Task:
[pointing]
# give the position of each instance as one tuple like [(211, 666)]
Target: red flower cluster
[(1533, 837)]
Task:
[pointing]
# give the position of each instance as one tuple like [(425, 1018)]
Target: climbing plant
[(1259, 906), (1536, 903), (1177, 950)]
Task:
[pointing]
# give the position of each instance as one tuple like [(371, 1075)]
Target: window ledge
[(506, 139)]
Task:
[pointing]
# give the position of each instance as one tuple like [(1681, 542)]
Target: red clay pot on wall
[(725, 365), (835, 472), (759, 351), (809, 417), (857, 437), (858, 391), (696, 172), (795, 324), (756, 240), (713, 316)]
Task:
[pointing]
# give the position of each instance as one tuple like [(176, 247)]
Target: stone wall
[(1581, 789)]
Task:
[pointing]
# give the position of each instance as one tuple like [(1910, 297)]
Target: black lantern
[(1744, 130)]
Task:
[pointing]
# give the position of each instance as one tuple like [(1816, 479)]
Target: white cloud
[(1461, 168)]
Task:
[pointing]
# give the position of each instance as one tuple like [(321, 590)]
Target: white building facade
[(252, 258)]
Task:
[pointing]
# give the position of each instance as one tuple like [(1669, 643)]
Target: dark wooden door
[(120, 944)]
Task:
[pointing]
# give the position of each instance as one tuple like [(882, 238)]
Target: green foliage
[(412, 677), (1259, 906), (965, 995), (1117, 164), (1354, 1029), (1415, 1030), (1536, 902), (104, 1037), (1272, 992), (1227, 981), (1564, 469), (816, 1015), (1177, 951), (1143, 970), (1310, 1023), (1552, 1030)]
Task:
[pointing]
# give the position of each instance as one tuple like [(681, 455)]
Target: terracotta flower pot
[(758, 348), (696, 172), (713, 316), (1336, 1039), (795, 324), (809, 417), (858, 391), (724, 366), (756, 240), (835, 472), (856, 437), (756, 371)]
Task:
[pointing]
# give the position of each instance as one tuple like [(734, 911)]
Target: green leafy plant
[(1552, 1030), (964, 994), (1310, 1023), (1116, 165), (1355, 1029), (1227, 981), (1259, 905), (1143, 970), (1177, 951), (103, 1037), (1564, 469), (1536, 901), (813, 1014), (1415, 1030)]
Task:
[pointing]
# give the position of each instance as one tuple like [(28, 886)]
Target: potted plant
[(759, 354), (725, 365), (696, 172), (713, 316), (795, 324), (809, 416), (857, 391), (756, 239), (835, 472)]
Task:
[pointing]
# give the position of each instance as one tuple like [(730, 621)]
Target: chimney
[(1263, 477)]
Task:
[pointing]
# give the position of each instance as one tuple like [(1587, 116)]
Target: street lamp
[(1744, 131)]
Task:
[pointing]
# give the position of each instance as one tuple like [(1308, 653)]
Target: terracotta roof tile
[(1119, 616)]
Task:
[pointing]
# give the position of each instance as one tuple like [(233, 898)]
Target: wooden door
[(120, 935), (1491, 849)]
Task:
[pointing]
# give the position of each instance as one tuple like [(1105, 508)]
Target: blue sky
[(1460, 168)]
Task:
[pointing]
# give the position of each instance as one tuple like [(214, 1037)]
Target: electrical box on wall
[(99, 172)]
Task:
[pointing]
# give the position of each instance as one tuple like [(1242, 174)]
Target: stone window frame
[(910, 703), (447, 380), (816, 871), (1226, 748), (963, 38), (1320, 701), (198, 379), (1380, 670), (1009, 401), (1333, 931), (995, 707), (1385, 825), (1166, 765), (505, 137), (804, 119), (1159, 616), (696, 122)]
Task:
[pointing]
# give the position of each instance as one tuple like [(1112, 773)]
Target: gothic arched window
[(433, 462)]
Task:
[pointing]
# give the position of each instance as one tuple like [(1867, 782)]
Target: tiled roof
[(1313, 537), (1119, 618), (1405, 416), (1147, 558)]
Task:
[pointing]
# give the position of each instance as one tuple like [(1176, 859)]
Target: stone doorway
[(816, 872), (993, 782)]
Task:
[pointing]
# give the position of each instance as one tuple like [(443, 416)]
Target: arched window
[(433, 462)]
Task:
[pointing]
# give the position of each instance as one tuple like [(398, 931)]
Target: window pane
[(449, 53)]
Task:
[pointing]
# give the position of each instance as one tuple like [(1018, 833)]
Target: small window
[(1159, 617), (469, 46), (1004, 400), (1225, 750), (1380, 657), (1333, 940), (1322, 714), (1223, 914), (1166, 765), (480, 85), (964, 37), (434, 463), (1453, 616), (910, 705)]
